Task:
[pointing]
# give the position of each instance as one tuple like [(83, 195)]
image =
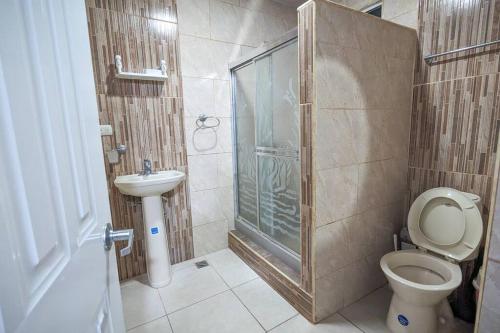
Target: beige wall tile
[(206, 207), (193, 17), (336, 194), (332, 247), (210, 237), (339, 144), (331, 297), (198, 96), (394, 8), (202, 172)]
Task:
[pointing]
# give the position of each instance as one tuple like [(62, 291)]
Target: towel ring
[(202, 118)]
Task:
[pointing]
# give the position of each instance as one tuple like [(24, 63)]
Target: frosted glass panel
[(267, 143), (277, 104), (244, 80), (279, 188)]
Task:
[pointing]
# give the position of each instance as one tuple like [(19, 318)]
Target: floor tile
[(189, 286), (161, 325), (141, 303), (187, 264), (333, 324), (369, 313), (267, 306), (232, 269), (219, 314)]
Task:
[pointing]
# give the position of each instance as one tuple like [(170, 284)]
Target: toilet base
[(404, 317)]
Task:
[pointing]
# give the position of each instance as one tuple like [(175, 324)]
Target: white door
[(55, 275)]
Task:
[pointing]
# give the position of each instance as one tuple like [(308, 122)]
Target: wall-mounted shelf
[(146, 75)]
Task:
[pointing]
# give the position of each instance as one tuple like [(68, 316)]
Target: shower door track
[(250, 230)]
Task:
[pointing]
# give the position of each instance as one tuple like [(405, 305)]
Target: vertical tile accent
[(146, 116), (306, 54)]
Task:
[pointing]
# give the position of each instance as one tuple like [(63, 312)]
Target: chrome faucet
[(146, 168)]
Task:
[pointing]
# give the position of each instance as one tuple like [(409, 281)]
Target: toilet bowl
[(446, 226)]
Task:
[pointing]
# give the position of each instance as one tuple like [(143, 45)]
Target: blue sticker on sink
[(154, 230), (403, 320)]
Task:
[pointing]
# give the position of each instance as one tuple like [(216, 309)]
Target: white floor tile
[(369, 313), (187, 264), (141, 303), (264, 303), (189, 286), (333, 324), (219, 314), (232, 269), (156, 326)]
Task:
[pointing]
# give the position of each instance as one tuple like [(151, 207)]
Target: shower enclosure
[(266, 148)]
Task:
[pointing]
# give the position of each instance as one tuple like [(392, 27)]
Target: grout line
[(149, 321), (248, 310), (294, 316), (348, 320), (202, 300)]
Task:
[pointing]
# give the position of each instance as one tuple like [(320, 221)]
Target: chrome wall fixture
[(205, 122), (430, 58)]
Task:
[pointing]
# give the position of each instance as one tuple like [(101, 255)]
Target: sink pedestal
[(157, 257)]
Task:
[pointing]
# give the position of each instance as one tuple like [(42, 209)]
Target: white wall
[(213, 33)]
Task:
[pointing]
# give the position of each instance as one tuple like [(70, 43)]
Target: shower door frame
[(288, 256)]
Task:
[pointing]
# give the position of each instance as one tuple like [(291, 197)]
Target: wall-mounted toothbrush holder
[(115, 154), (147, 74), (204, 122)]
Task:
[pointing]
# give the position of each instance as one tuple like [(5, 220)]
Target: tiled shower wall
[(360, 144), (147, 117), (456, 111), (212, 34)]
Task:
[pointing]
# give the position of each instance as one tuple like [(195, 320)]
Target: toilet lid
[(447, 222)]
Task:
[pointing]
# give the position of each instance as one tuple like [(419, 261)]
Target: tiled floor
[(227, 296)]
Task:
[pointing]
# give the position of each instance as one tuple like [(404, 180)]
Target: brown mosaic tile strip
[(306, 52), (454, 125), (286, 287), (306, 195), (142, 43), (156, 9), (446, 25), (420, 180)]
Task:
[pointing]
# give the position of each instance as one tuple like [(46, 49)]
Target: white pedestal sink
[(150, 188)]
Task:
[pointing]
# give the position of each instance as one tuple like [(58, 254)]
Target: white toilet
[(446, 226)]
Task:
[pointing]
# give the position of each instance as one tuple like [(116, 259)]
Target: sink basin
[(151, 185)]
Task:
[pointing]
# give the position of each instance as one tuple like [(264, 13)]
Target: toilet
[(446, 226)]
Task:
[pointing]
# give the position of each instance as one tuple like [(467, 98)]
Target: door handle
[(111, 236)]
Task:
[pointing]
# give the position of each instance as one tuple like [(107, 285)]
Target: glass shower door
[(266, 119), (277, 146)]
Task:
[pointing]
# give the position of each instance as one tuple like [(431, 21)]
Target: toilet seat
[(446, 222)]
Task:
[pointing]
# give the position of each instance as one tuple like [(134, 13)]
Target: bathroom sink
[(151, 185)]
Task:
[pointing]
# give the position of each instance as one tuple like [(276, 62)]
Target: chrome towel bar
[(430, 58)]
